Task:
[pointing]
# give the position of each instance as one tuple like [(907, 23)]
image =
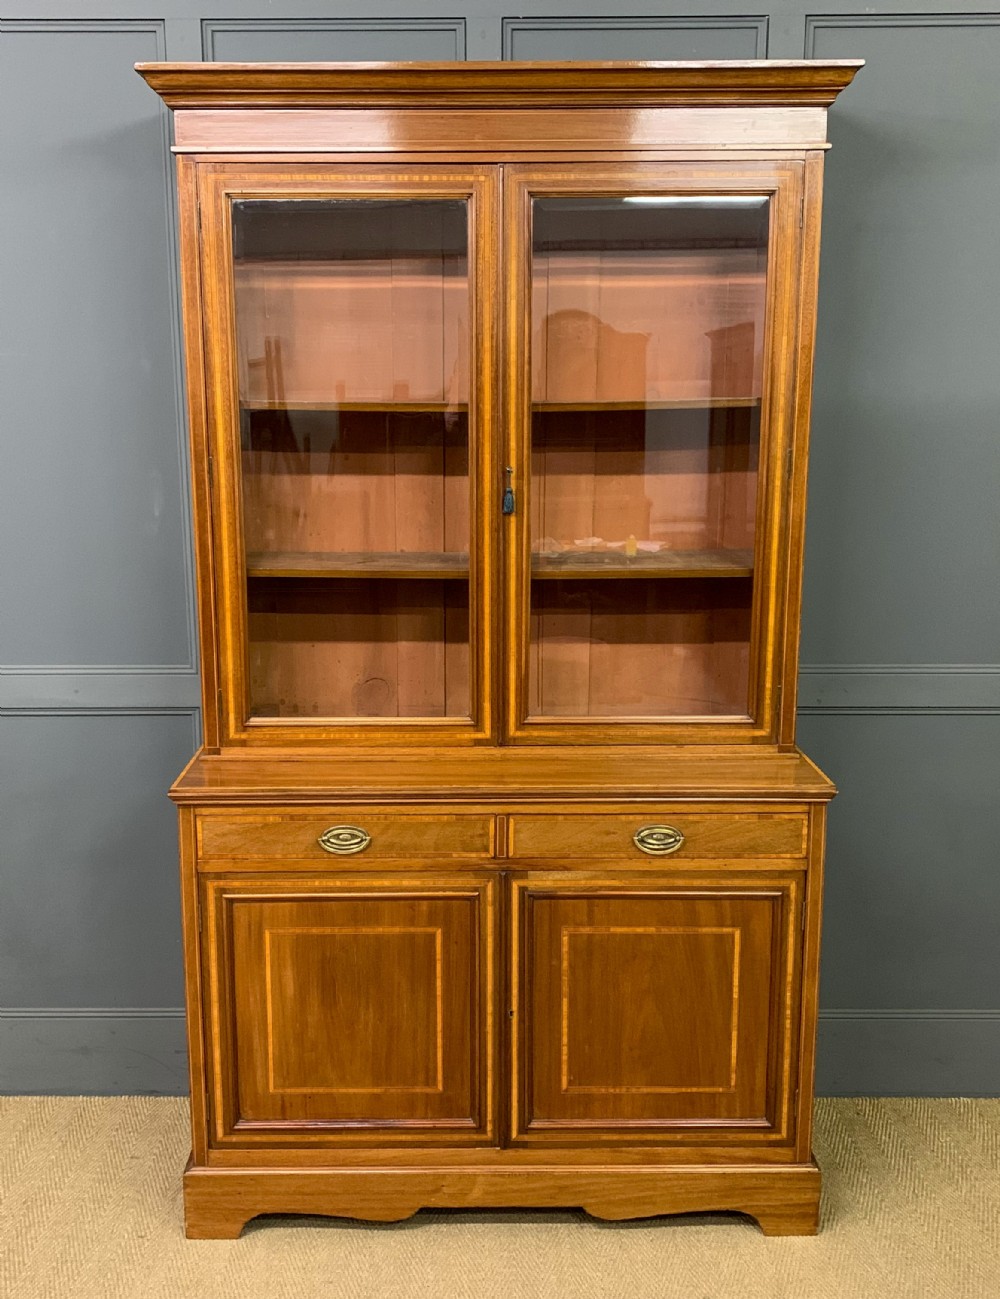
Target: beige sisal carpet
[(90, 1207)]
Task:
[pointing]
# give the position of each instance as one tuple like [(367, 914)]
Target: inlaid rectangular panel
[(352, 1008), (645, 1009)]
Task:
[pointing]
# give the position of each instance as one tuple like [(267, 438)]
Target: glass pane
[(647, 344), (352, 330)]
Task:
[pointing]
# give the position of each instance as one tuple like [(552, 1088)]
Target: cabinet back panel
[(647, 326), (682, 479), (355, 481), (639, 648), (358, 647)]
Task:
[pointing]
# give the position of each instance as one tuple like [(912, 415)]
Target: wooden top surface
[(528, 772), (288, 85)]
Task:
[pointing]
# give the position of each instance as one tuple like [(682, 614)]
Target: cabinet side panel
[(803, 350), (193, 992), (192, 309), (810, 983)]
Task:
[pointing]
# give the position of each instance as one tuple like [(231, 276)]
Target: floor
[(90, 1207)]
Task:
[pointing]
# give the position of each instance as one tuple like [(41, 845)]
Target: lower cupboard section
[(462, 1009)]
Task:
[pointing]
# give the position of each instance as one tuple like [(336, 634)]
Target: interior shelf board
[(614, 564), (432, 565), (680, 403), (386, 407)]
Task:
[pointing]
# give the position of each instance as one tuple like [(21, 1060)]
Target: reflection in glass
[(647, 364), (352, 330)]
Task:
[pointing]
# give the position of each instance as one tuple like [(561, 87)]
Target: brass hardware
[(658, 840), (343, 840)]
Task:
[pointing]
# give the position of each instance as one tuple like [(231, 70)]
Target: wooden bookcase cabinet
[(501, 871)]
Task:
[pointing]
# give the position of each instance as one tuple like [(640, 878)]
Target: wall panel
[(90, 498), (653, 37), (90, 905), (904, 478), (900, 688), (334, 39)]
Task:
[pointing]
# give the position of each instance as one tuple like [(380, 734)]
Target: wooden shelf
[(665, 563), (540, 407), (417, 564), (686, 403), (385, 407)]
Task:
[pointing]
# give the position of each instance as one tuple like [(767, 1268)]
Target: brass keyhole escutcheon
[(658, 840), (343, 840)]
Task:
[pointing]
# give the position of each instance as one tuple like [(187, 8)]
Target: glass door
[(359, 418), (648, 417)]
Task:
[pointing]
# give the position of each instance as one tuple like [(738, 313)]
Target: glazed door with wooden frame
[(352, 1009), (349, 349), (655, 1009), (650, 407)]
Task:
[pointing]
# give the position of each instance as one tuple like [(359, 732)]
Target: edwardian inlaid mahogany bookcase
[(501, 870)]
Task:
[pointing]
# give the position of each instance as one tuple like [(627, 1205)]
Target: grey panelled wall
[(900, 681)]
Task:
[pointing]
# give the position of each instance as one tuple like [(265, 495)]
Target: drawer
[(353, 835), (708, 834)]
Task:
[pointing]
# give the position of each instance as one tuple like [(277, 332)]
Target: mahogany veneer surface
[(501, 874)]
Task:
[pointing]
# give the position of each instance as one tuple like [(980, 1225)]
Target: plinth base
[(784, 1199)]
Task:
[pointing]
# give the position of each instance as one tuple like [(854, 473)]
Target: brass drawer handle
[(343, 840), (658, 840)]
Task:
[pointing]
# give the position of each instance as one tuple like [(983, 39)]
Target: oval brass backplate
[(343, 840), (658, 840)]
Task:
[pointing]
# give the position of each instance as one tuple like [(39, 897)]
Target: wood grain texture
[(453, 129), (219, 1202), (396, 981), (500, 1001), (789, 82), (195, 1003), (643, 1006), (240, 777), (575, 836), (285, 834), (193, 320)]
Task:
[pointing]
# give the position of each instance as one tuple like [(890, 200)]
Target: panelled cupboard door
[(654, 1010), (349, 343), (351, 1010), (650, 398)]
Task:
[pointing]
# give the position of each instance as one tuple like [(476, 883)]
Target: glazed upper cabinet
[(648, 404), (500, 452), (353, 435)]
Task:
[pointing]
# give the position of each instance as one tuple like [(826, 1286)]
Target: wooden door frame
[(216, 450), (782, 181)]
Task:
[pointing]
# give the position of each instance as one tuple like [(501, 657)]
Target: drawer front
[(707, 834), (351, 836)]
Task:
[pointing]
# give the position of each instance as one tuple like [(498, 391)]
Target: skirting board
[(79, 1052)]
